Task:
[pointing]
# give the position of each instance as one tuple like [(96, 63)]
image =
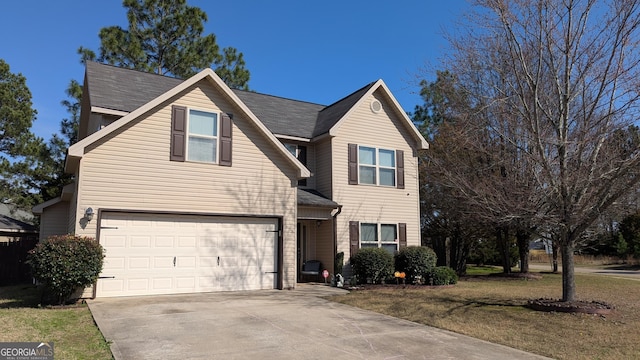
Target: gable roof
[(12, 225), (359, 97), (126, 90), (331, 114), (76, 151)]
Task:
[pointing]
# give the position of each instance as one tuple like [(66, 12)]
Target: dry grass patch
[(493, 310), (72, 329)]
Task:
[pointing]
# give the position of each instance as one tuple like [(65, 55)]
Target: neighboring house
[(12, 230), (192, 187), (14, 212), (16, 239)]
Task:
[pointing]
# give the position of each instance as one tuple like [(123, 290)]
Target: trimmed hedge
[(416, 261), (66, 263), (375, 264), (444, 275)]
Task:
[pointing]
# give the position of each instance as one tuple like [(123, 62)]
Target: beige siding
[(375, 204), (324, 244), (130, 169), (71, 215), (314, 213), (322, 171), (311, 165), (54, 220)]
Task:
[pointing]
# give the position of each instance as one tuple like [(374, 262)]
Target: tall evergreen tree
[(166, 37), (17, 142)]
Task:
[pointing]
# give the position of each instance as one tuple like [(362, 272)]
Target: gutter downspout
[(335, 236)]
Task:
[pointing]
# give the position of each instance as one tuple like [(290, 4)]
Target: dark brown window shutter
[(402, 235), (302, 156), (400, 169), (353, 164), (354, 237), (178, 132), (226, 126)]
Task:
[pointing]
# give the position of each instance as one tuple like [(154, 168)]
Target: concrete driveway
[(296, 324)]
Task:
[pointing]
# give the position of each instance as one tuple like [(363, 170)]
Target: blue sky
[(317, 51)]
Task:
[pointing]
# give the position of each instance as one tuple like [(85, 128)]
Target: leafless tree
[(554, 85)]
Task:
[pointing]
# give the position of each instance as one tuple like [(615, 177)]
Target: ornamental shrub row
[(417, 262)]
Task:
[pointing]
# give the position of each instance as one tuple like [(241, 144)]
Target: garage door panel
[(115, 242), (140, 241), (163, 262), (163, 241), (187, 242), (163, 254), (138, 284), (136, 263), (186, 262), (210, 262), (208, 242)]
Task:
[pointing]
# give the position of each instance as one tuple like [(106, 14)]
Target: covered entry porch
[(316, 233)]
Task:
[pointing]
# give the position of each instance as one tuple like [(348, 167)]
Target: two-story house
[(191, 186)]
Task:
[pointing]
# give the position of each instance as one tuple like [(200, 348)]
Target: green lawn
[(492, 309), (71, 329)]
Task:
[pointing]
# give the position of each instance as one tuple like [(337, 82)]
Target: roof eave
[(40, 207)]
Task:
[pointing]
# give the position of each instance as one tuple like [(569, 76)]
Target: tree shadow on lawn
[(623, 267), (20, 296), (469, 304)]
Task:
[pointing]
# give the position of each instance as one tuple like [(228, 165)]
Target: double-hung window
[(376, 166), (379, 235), (202, 137)]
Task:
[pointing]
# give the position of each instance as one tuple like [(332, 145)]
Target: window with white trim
[(376, 166), (202, 136), (379, 235)]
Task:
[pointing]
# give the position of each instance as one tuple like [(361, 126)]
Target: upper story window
[(376, 166), (202, 137)]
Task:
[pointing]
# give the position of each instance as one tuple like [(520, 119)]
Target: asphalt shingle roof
[(334, 112), (121, 89), (309, 197), (282, 116), (13, 225)]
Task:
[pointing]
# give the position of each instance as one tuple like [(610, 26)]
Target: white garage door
[(150, 254)]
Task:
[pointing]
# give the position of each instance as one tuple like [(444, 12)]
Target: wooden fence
[(13, 256)]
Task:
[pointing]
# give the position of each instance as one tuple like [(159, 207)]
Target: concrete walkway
[(272, 324)]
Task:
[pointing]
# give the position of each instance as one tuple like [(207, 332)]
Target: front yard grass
[(493, 309), (71, 329)]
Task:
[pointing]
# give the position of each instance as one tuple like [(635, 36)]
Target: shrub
[(65, 263), (375, 264), (443, 275), (415, 261), (339, 263)]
